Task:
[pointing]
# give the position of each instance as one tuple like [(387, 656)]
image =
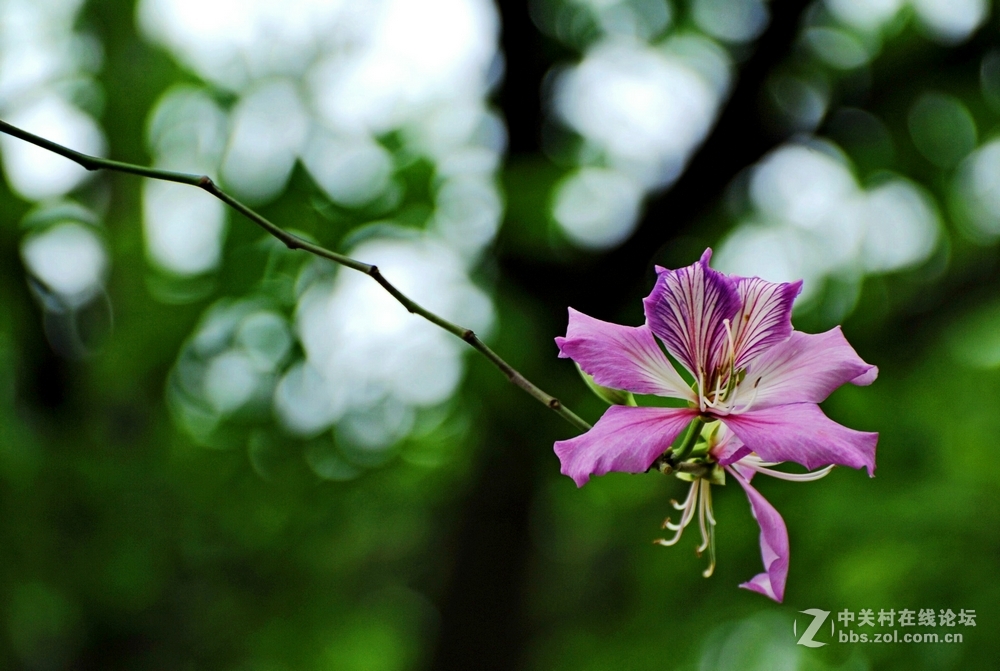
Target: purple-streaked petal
[(765, 316), (773, 544), (624, 439), (686, 310), (800, 432), (621, 357), (806, 368)]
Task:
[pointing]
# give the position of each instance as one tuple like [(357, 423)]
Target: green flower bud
[(607, 394)]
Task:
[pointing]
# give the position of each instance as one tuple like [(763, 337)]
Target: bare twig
[(294, 242)]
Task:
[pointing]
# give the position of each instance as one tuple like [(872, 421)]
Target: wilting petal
[(621, 357), (800, 432), (773, 544), (765, 316), (625, 439), (686, 310), (806, 368)]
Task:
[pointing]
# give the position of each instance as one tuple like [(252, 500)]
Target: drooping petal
[(621, 357), (800, 432), (744, 470), (765, 316), (686, 310), (773, 544), (625, 439), (806, 368)]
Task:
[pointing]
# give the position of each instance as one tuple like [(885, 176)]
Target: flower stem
[(690, 438), (294, 242)]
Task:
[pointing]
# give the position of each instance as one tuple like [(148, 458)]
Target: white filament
[(757, 464), (688, 508), (699, 499)]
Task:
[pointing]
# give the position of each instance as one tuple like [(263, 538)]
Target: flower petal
[(624, 439), (621, 357), (773, 544), (729, 448), (800, 432), (867, 377), (806, 368), (765, 316), (686, 310)]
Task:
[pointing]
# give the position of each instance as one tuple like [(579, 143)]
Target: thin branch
[(294, 242)]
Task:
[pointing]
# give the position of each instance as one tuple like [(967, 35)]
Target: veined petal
[(621, 357), (806, 368), (800, 432), (765, 316), (686, 310), (773, 544), (624, 439)]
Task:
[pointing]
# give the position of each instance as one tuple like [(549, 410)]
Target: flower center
[(719, 390)]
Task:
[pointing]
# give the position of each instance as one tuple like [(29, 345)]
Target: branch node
[(469, 336), (206, 183), (555, 404)]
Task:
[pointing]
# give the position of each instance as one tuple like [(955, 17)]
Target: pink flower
[(755, 382)]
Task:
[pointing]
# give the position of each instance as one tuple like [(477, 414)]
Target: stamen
[(692, 502), (700, 497), (797, 477), (707, 535), (667, 524), (718, 394), (707, 573), (689, 506), (761, 466), (708, 505), (732, 383), (667, 543), (687, 501), (732, 352), (701, 526), (701, 387), (753, 399), (732, 344)]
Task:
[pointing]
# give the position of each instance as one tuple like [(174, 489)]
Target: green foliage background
[(125, 545)]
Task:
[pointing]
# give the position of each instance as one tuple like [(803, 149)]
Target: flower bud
[(607, 394)]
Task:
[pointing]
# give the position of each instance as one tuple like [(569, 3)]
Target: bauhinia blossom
[(750, 397)]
